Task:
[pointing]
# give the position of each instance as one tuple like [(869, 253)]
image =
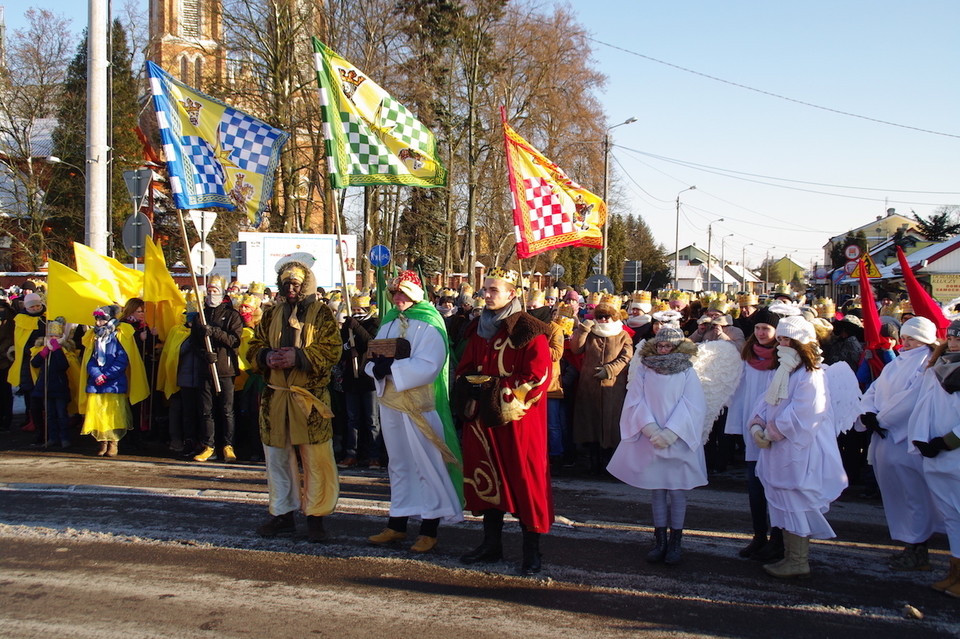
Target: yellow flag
[(71, 296), (161, 295), (120, 282)]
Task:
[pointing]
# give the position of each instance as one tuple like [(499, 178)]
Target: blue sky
[(885, 60)]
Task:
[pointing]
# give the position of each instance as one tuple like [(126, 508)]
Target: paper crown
[(190, 299), (55, 327), (291, 272), (679, 296), (748, 299), (720, 305), (565, 323), (906, 307), (507, 275), (661, 305), (250, 301), (551, 292), (593, 298), (256, 288), (360, 300), (216, 281), (466, 289), (640, 297), (235, 284), (564, 310), (612, 300)]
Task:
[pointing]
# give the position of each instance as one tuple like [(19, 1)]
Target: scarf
[(789, 362), (607, 329), (762, 359), (947, 370), (447, 312), (669, 364), (490, 320)]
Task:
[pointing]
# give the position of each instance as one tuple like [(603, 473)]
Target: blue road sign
[(379, 255)]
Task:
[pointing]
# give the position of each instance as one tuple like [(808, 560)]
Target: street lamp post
[(709, 256), (743, 268), (723, 262), (606, 171), (676, 242), (767, 276)]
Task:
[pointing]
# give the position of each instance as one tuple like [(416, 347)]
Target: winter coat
[(596, 416), (114, 367)]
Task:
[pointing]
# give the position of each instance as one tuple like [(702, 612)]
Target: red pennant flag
[(871, 318), (923, 304)]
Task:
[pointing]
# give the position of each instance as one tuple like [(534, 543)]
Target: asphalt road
[(142, 546)]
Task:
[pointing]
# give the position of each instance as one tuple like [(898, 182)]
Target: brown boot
[(103, 449), (112, 449), (794, 563), (952, 580)]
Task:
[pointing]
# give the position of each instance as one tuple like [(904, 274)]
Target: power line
[(769, 177), (771, 94)]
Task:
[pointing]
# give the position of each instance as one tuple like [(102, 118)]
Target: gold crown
[(565, 323), (748, 299), (535, 296), (593, 298), (552, 291), (256, 288), (360, 300), (660, 305), (719, 305), (640, 297), (565, 310), (507, 275), (681, 296), (216, 281), (612, 300), (293, 272)]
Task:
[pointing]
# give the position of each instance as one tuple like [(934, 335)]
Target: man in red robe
[(501, 394)]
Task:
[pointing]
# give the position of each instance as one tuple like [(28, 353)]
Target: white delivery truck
[(264, 251)]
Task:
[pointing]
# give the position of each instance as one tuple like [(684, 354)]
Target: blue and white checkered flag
[(216, 155)]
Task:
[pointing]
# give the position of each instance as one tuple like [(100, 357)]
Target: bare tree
[(29, 92)]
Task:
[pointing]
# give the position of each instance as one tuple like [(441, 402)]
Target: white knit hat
[(798, 329), (920, 329)]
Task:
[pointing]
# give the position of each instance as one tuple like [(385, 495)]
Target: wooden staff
[(196, 291), (351, 340)]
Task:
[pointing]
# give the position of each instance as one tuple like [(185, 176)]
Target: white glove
[(789, 358), (650, 430), (760, 436), (664, 439)]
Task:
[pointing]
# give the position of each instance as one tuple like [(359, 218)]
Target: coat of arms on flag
[(550, 210), (371, 138), (216, 155)]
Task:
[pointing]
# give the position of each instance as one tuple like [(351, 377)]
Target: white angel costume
[(937, 414), (420, 484), (907, 503), (801, 471)]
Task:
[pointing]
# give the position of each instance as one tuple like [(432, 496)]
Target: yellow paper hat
[(507, 275)]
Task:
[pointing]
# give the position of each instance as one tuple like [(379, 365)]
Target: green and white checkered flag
[(371, 138)]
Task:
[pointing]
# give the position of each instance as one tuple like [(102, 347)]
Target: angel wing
[(844, 394), (719, 367)]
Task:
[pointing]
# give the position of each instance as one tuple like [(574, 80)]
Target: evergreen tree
[(67, 191), (941, 225)]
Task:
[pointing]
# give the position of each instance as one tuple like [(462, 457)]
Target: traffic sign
[(870, 265), (203, 258), (203, 221), (379, 255), (135, 232), (556, 271), (597, 283), (852, 251)]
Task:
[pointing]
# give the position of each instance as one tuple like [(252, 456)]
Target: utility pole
[(95, 234)]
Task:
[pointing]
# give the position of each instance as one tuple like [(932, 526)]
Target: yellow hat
[(680, 296), (593, 298), (748, 299), (216, 281), (720, 305), (535, 297), (256, 288), (293, 272)]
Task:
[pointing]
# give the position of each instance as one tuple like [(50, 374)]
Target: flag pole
[(351, 340), (196, 291)]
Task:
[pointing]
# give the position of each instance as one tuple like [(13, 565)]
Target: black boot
[(491, 550), (773, 550), (316, 533), (530, 565), (674, 553), (659, 549), (759, 541)]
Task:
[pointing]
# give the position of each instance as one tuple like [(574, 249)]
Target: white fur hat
[(920, 329), (798, 329)]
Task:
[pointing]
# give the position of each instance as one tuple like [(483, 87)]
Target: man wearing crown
[(501, 395), (410, 368), (296, 345)]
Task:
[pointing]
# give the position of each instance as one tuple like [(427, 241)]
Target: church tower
[(185, 40)]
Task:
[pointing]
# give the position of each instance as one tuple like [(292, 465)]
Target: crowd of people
[(471, 400)]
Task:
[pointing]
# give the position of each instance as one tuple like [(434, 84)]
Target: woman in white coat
[(661, 430), (934, 432), (799, 461), (887, 405)]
